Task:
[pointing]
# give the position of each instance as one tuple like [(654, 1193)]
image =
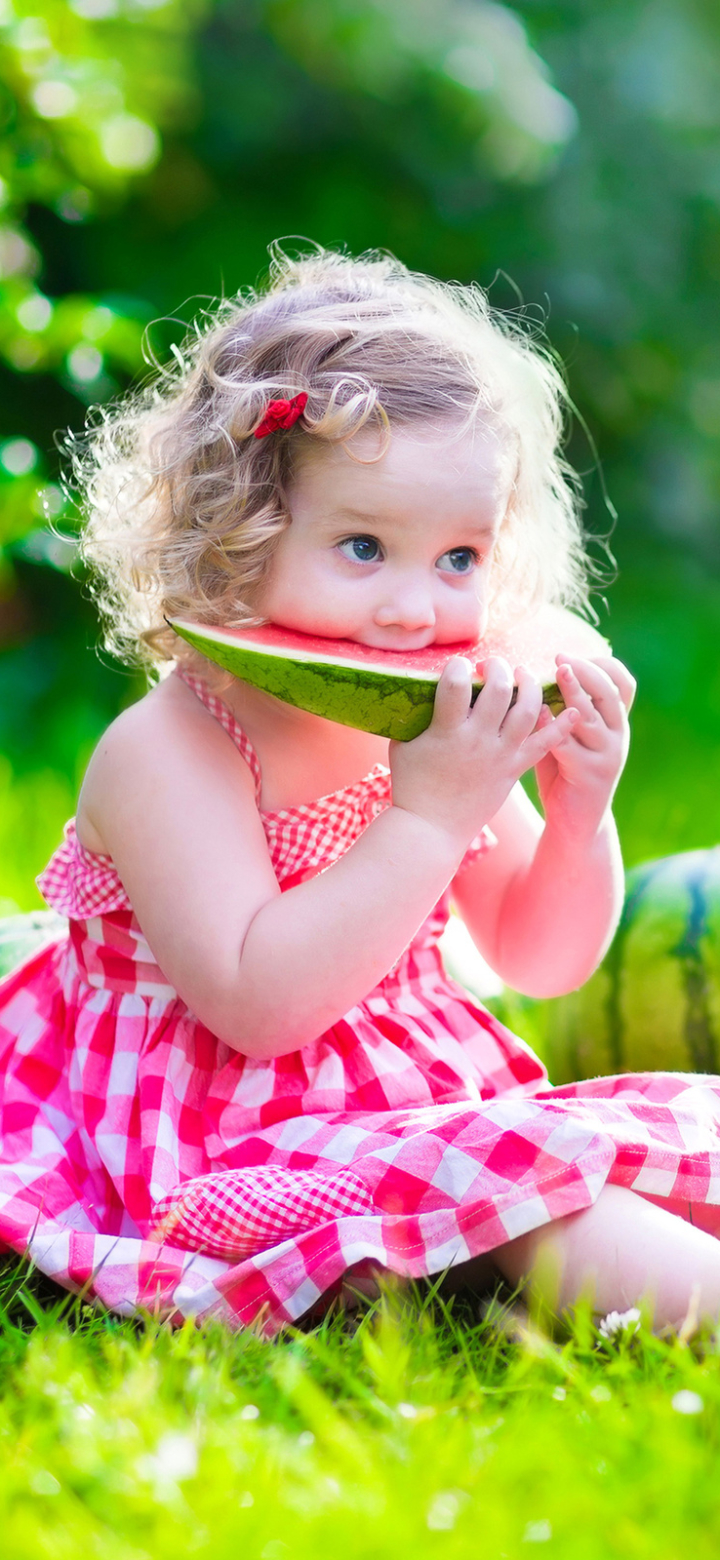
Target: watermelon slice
[(389, 692)]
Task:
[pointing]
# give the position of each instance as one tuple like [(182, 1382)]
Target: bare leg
[(616, 1253)]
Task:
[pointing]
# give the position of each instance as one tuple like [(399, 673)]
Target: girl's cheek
[(476, 608)]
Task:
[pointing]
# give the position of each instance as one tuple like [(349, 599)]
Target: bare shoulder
[(167, 738), (170, 799)]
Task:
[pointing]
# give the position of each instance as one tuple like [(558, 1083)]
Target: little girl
[(243, 1077)]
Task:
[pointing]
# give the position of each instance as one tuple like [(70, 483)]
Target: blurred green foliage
[(565, 155)]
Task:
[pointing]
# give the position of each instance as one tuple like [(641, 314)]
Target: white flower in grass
[(537, 1532), (686, 1402), (176, 1457), (620, 1322), (443, 1511)]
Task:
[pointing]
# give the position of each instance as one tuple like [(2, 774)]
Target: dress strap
[(220, 712)]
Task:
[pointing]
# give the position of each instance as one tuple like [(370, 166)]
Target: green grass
[(420, 1428)]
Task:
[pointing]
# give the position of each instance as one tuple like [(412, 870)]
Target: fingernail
[(459, 669)]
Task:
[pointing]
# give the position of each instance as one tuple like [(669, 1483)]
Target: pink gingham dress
[(149, 1166)]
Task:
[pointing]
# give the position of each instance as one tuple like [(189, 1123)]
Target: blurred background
[(566, 156)]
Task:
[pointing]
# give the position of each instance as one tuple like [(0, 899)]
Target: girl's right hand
[(459, 772)]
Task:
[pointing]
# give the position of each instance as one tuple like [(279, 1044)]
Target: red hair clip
[(281, 414)]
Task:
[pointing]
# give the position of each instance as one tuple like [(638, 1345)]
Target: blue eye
[(361, 549), (459, 560)]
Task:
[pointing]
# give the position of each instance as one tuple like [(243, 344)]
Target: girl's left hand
[(577, 780)]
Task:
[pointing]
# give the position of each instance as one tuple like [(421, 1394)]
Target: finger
[(591, 690), (590, 729), (495, 696), (546, 772), (624, 681), (452, 700), (523, 715), (549, 738)]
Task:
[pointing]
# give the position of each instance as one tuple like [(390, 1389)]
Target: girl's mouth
[(407, 642)]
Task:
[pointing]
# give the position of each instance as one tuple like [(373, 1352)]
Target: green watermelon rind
[(654, 1003), (387, 704)]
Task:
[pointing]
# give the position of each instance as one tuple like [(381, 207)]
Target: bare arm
[(265, 971), (174, 803), (542, 907), (311, 955)]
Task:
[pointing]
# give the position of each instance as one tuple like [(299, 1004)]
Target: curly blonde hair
[(184, 506)]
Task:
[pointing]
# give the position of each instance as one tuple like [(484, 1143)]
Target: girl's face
[(394, 553)]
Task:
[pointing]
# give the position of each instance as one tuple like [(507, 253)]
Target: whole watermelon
[(654, 1003)]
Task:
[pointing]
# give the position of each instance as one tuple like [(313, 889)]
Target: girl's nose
[(408, 605)]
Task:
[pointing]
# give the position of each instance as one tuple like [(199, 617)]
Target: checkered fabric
[(148, 1165), (237, 1212), (301, 840)]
